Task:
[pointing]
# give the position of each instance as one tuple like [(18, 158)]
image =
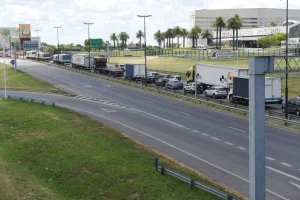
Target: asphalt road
[(213, 143)]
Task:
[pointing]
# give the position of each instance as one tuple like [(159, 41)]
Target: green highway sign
[(96, 42)]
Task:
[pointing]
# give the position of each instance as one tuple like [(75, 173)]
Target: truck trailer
[(134, 71), (44, 56), (82, 61), (239, 90), (61, 58)]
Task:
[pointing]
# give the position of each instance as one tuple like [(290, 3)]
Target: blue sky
[(111, 16)]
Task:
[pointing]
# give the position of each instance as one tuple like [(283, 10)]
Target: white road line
[(230, 144), (174, 147), (123, 94), (196, 131), (149, 102), (237, 129), (298, 186), (283, 173), (242, 148), (269, 158), (215, 138), (286, 164), (185, 113), (204, 134)]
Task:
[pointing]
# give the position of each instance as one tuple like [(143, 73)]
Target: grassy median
[(54, 153), (23, 81)]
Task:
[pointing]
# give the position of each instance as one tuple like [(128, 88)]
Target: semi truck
[(43, 56), (100, 66), (212, 75), (134, 71), (82, 61), (61, 58), (239, 90)]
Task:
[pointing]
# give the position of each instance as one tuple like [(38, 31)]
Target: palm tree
[(158, 37), (169, 35), (238, 26), (221, 25), (216, 24), (184, 34), (207, 34), (139, 36), (113, 37), (194, 34), (231, 23), (177, 33), (272, 24), (235, 23), (123, 36), (163, 38)]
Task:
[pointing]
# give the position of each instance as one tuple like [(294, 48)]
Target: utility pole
[(57, 27), (37, 33), (5, 94), (145, 16), (88, 24), (286, 59)]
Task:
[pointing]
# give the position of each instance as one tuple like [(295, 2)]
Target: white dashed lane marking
[(242, 148), (196, 131), (185, 113), (230, 144), (269, 158), (237, 129), (204, 134), (286, 164), (215, 138)]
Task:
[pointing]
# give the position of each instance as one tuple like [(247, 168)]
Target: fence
[(31, 100), (193, 183)]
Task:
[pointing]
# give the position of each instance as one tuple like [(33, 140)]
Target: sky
[(112, 16)]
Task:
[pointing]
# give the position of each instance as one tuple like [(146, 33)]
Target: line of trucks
[(235, 81)]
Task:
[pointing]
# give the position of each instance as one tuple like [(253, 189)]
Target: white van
[(201, 47)]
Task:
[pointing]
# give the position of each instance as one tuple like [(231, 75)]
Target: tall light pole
[(145, 16), (57, 27), (286, 60), (88, 24), (37, 34)]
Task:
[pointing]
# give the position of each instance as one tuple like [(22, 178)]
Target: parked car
[(293, 106), (176, 77), (190, 88), (163, 79), (216, 92), (155, 74), (149, 78), (174, 84)]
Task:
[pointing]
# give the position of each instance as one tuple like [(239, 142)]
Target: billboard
[(220, 54), (11, 32), (25, 31)]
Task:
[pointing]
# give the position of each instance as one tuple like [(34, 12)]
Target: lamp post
[(286, 60), (88, 24), (37, 34), (145, 16), (57, 27)]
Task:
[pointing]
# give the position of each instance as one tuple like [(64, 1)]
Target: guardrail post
[(192, 183), (42, 102), (162, 170), (156, 162), (229, 197), (31, 100), (53, 104)]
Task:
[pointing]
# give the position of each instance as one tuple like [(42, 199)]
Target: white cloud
[(111, 15)]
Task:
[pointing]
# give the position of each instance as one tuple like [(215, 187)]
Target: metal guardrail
[(193, 183), (31, 100), (220, 104)]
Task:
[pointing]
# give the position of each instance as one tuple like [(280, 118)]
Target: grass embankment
[(58, 154), (23, 81)]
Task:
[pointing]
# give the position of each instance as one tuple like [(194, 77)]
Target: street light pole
[(37, 33), (5, 94), (57, 27), (88, 24), (144, 16), (286, 60)]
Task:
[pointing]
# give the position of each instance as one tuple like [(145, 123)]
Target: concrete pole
[(257, 128), (15, 57), (5, 94), (108, 52)]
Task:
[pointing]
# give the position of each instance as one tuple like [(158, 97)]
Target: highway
[(214, 143)]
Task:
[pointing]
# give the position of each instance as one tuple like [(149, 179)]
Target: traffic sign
[(96, 42)]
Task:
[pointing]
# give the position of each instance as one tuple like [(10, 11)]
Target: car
[(216, 92), (176, 77), (163, 79), (190, 88), (174, 84), (149, 78), (156, 74), (293, 106)]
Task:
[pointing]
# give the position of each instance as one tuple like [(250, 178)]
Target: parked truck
[(239, 90), (134, 71), (212, 75), (100, 66), (82, 61), (61, 58)]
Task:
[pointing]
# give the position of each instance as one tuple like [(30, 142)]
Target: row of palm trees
[(123, 37)]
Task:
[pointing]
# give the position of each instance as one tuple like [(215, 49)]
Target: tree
[(215, 24), (113, 37), (207, 34), (234, 23), (79, 45), (139, 36), (123, 36), (184, 34), (238, 26), (87, 45), (265, 41), (194, 35), (177, 33), (272, 24), (42, 43), (158, 37), (163, 38), (278, 37), (169, 35), (219, 23)]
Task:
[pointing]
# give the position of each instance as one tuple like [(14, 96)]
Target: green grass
[(23, 81), (58, 154)]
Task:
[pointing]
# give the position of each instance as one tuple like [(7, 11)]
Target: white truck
[(212, 75), (82, 61), (134, 71), (239, 90)]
